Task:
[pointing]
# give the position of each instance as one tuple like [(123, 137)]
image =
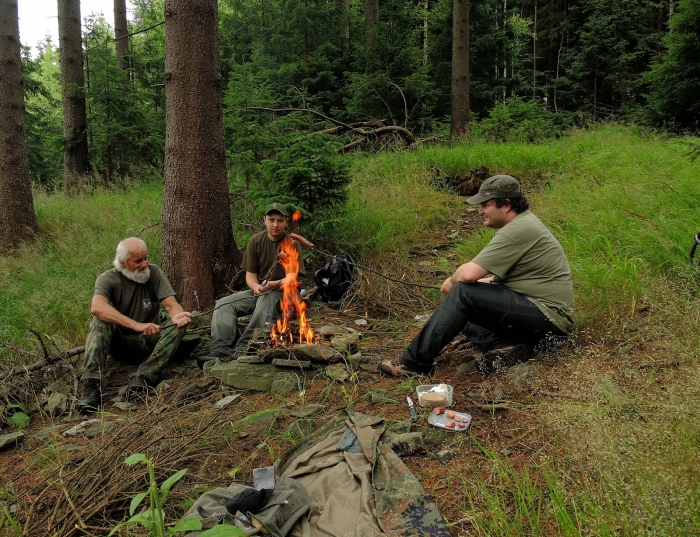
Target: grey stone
[(163, 385), (499, 395), (333, 330), (125, 406), (73, 431), (307, 411), (62, 385), (258, 377), (285, 384), (48, 431), (337, 372), (10, 440), (98, 429), (348, 344), (56, 404), (445, 455), (317, 353), (421, 319), (252, 359), (361, 322), (356, 357), (612, 393), (276, 352), (523, 374), (466, 368), (295, 364), (453, 235), (369, 367), (227, 401)]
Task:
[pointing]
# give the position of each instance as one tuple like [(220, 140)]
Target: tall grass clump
[(47, 285)]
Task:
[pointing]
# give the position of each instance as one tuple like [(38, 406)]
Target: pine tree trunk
[(371, 19), (75, 162), (198, 249), (343, 8), (461, 112), (17, 217), (121, 30)]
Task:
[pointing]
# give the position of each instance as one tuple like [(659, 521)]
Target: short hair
[(124, 249), (519, 205)]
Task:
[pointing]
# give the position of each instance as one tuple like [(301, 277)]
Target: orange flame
[(296, 216), (291, 303)]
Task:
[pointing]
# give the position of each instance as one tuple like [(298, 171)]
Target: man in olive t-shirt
[(126, 323), (514, 294), (265, 277)]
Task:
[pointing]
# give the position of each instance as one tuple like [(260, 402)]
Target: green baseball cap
[(276, 208), (497, 187)]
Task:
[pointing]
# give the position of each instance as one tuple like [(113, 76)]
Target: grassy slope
[(624, 206)]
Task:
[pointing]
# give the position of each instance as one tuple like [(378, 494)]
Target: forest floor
[(80, 486)]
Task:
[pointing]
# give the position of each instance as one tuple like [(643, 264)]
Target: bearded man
[(126, 323)]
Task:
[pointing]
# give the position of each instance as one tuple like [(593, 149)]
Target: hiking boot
[(137, 388), (222, 355), (500, 359), (91, 396), (394, 368)]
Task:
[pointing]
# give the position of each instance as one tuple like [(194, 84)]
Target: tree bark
[(17, 216), (343, 8), (121, 30), (371, 19), (75, 162), (461, 112), (198, 248)]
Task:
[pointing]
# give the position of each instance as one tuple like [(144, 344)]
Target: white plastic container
[(444, 390)]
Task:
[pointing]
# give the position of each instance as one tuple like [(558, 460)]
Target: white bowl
[(434, 388)]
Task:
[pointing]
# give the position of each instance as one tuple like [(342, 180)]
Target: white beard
[(138, 276)]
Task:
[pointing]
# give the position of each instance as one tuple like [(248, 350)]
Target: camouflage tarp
[(365, 490)]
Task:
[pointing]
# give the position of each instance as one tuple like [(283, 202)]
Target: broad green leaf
[(136, 501), (137, 457), (168, 483), (19, 420), (189, 523)]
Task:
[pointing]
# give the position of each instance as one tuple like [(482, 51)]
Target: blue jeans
[(490, 315)]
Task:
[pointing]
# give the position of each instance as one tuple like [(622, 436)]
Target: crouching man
[(126, 323), (514, 294)]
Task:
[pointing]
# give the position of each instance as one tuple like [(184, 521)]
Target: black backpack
[(692, 250), (335, 278)]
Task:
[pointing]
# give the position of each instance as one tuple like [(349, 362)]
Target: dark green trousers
[(154, 352)]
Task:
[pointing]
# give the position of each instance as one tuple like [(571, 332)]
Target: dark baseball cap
[(276, 208), (497, 187)]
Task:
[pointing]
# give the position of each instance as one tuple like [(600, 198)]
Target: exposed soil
[(80, 486)]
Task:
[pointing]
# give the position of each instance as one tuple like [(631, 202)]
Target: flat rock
[(285, 383), (290, 363), (523, 374), (125, 406), (243, 376), (347, 344), (317, 353), (301, 428), (44, 433), (333, 330), (381, 398), (252, 359), (307, 411), (10, 440), (56, 404), (337, 372), (445, 455), (276, 352), (227, 401)]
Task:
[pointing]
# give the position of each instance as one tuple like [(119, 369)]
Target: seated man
[(265, 277), (126, 322), (528, 296)]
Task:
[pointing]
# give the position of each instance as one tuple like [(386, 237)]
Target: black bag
[(335, 278), (692, 250)]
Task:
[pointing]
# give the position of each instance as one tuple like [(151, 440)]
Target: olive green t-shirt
[(138, 301), (261, 255), (527, 258)]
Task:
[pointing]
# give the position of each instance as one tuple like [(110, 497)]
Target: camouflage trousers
[(154, 352)]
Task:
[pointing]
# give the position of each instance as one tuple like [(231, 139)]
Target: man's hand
[(147, 329), (447, 285), (181, 319)]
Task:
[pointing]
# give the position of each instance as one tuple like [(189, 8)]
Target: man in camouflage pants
[(126, 323)]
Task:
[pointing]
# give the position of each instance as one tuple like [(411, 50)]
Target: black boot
[(91, 397), (137, 388)]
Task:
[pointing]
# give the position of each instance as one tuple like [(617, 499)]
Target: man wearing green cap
[(513, 295), (265, 277)]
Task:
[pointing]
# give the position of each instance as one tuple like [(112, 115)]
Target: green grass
[(624, 203)]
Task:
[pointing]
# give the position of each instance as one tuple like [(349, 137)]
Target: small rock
[(73, 431), (380, 398), (333, 330), (162, 386), (360, 322), (301, 428), (465, 369), (499, 395), (445, 455), (307, 411), (56, 404), (48, 431), (347, 344), (10, 440), (507, 452), (98, 429), (453, 235), (337, 372), (317, 353), (296, 364), (421, 319), (227, 401), (284, 384), (251, 359), (125, 406), (521, 374), (356, 357), (425, 263)]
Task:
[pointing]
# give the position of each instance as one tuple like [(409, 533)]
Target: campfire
[(291, 305)]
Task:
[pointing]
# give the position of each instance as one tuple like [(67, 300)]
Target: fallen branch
[(43, 363)]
